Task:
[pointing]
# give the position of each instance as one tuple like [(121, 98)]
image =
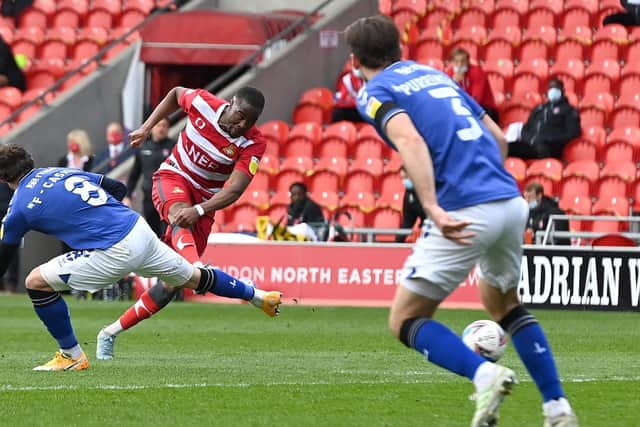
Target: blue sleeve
[(95, 178), (376, 104), (476, 109), (13, 228)]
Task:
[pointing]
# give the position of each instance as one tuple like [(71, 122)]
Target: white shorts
[(140, 252), (437, 265)]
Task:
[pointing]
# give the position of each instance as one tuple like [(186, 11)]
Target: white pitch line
[(7, 388)]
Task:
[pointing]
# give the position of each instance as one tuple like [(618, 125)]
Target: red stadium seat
[(629, 99), (337, 165), (132, 17), (362, 200), (613, 239), (575, 17), (89, 42), (470, 17), (29, 113), (626, 135), (324, 181), (577, 205), (629, 84), (10, 97), (547, 184), (611, 205), (506, 17), (540, 17), (343, 131), (569, 71), (260, 181), (474, 34), (609, 68), (428, 49), (595, 84), (514, 114), (547, 34), (311, 132), (386, 218), (614, 33), (574, 186), (103, 13), (394, 164), (306, 112), (604, 50), (270, 163), (57, 43), (257, 198), (635, 195), (368, 149), (555, 6), (298, 147), (26, 40), (499, 70), (550, 168), (569, 49), (516, 167), (525, 83), (488, 6), (242, 219), (581, 34), (611, 186), (359, 181), (301, 163), (588, 169), (533, 48), (38, 15), (332, 148), (598, 100), (528, 100), (618, 152), (497, 83), (497, 50), (623, 169), (538, 67), (580, 150), (511, 34), (590, 117), (286, 178), (371, 165), (520, 6), (275, 130), (329, 200), (40, 79), (391, 192), (625, 117), (70, 13)]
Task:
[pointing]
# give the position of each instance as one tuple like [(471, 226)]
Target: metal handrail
[(550, 231), (97, 58)]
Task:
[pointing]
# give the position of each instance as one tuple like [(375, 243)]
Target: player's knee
[(516, 319), (35, 281)]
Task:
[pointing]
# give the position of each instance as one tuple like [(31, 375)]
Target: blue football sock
[(230, 287), (441, 346), (535, 352), (54, 313)]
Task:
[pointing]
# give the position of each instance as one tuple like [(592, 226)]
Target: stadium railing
[(545, 237)]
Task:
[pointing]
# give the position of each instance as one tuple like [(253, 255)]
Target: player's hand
[(186, 217), (138, 136), (452, 229)]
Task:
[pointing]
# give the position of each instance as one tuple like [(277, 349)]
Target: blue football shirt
[(468, 167), (70, 205)]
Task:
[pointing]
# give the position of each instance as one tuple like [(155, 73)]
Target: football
[(486, 338)]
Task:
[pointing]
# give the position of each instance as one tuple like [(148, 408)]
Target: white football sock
[(258, 296), (484, 375), (74, 351), (553, 408), (114, 329)]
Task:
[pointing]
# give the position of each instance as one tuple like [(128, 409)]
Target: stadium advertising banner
[(367, 275), (332, 274), (583, 279)]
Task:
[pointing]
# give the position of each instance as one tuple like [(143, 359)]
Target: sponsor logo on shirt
[(253, 165), (372, 107), (177, 190), (230, 150)]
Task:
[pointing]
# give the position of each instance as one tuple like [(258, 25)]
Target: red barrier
[(327, 274)]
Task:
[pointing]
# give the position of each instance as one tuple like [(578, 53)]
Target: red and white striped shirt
[(205, 154)]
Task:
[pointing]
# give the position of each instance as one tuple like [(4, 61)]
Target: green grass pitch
[(229, 365)]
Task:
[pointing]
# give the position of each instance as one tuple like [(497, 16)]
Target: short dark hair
[(15, 162), (556, 82), (457, 52), (535, 187), (374, 41), (251, 96), (300, 185)]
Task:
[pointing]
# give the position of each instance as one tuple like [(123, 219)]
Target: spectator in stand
[(15, 8), (412, 210), (79, 153), (9, 281), (149, 156), (629, 18), (549, 128), (302, 208), (473, 80), (347, 87), (117, 152), (540, 208), (10, 73)]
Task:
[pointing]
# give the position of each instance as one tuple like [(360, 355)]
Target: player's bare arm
[(167, 106), (417, 162), (497, 134), (233, 189)]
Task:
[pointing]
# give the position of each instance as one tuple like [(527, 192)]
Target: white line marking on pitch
[(10, 388)]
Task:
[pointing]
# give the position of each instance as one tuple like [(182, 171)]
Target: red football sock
[(142, 309), (183, 242)]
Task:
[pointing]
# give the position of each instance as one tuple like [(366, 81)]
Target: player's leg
[(499, 274), (170, 193), (52, 310)]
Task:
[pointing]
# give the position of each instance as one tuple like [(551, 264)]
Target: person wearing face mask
[(347, 86), (117, 150), (79, 153), (473, 80), (549, 128), (540, 208), (412, 210), (148, 158)]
